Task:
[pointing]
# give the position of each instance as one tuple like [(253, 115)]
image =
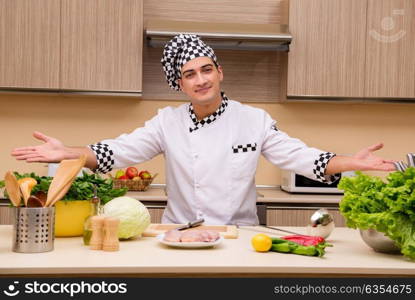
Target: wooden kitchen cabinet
[(72, 45), (6, 215), (352, 49), (327, 54), (390, 49), (275, 215), (102, 45), (292, 216), (155, 213), (29, 44)]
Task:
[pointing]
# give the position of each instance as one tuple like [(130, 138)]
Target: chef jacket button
[(197, 185), (195, 155)]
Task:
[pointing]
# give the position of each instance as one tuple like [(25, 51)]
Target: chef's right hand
[(51, 151)]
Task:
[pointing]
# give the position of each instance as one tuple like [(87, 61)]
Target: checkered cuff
[(105, 157), (320, 166)]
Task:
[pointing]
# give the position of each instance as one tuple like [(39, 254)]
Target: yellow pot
[(70, 217)]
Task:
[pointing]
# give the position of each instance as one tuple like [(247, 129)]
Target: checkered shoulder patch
[(244, 148), (105, 157), (320, 165)]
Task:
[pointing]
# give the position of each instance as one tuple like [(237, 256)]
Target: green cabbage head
[(134, 216)]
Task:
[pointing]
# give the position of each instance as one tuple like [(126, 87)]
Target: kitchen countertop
[(233, 257), (265, 195)]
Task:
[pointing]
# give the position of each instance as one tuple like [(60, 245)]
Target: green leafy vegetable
[(82, 188), (387, 207), (285, 246)]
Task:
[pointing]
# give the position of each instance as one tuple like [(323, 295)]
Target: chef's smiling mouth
[(202, 90)]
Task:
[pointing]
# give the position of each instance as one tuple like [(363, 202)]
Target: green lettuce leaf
[(387, 207)]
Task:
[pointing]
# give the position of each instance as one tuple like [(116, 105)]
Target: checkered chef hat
[(181, 49)]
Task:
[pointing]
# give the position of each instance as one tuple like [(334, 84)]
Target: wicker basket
[(133, 185)]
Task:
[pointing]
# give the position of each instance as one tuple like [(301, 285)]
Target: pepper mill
[(111, 242), (97, 225)]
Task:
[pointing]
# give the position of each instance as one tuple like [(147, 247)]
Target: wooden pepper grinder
[(111, 242), (97, 226)]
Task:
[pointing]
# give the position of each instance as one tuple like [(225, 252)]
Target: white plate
[(160, 237)]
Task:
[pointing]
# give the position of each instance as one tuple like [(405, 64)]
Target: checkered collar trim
[(209, 119)]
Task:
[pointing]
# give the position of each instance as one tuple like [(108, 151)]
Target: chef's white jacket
[(211, 164)]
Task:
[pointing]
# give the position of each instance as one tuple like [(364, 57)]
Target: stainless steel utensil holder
[(33, 229)]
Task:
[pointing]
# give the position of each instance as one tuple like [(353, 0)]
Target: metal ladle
[(321, 223)]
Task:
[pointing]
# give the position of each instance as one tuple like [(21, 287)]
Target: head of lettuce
[(387, 207), (134, 216)]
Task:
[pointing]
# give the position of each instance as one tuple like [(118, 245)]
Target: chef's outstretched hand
[(52, 150), (367, 161), (364, 160)]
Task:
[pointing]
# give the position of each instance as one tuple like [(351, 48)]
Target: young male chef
[(211, 145)]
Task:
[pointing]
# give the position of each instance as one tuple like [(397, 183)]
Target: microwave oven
[(295, 183)]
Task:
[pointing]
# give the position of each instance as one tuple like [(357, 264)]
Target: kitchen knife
[(191, 224)]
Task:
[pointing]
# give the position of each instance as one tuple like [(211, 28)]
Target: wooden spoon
[(12, 188), (34, 201), (62, 181), (37, 200)]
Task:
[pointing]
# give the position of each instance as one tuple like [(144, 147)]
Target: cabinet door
[(29, 44), (327, 55), (156, 213), (390, 55), (6, 215), (101, 45)]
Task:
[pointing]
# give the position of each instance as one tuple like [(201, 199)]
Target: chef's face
[(201, 81)]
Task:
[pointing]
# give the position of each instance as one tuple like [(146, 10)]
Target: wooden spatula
[(62, 192), (12, 188), (65, 175)]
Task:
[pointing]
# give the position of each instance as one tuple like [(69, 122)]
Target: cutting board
[(226, 231)]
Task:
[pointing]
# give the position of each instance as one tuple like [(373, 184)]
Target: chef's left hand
[(367, 161), (364, 160)]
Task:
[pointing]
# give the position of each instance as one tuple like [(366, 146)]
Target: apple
[(145, 174), (131, 172), (137, 178), (119, 173), (123, 177)]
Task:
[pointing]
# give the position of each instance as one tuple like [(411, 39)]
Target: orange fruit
[(261, 242)]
